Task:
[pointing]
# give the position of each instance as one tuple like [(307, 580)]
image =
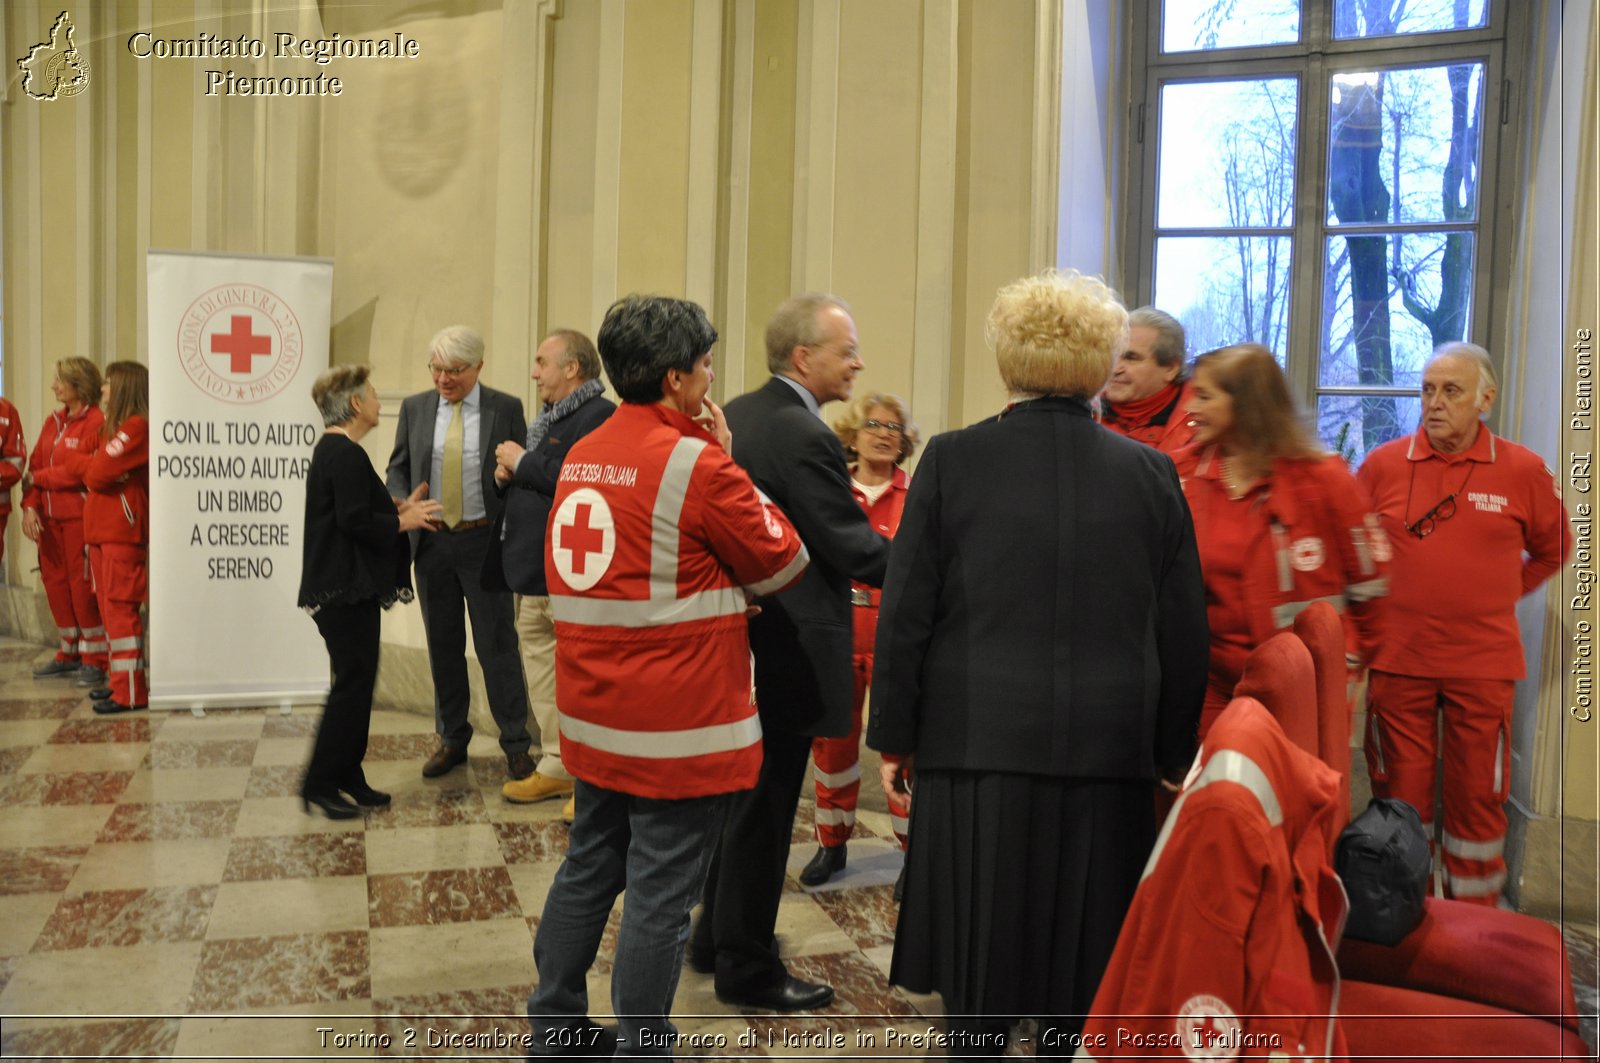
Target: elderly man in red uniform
[(1476, 522), (656, 542), (1144, 398)]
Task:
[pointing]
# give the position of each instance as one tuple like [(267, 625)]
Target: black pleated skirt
[(1016, 887)]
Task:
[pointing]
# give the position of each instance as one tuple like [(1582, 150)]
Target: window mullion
[(1302, 359)]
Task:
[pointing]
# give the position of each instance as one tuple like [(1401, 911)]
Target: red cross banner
[(235, 344)]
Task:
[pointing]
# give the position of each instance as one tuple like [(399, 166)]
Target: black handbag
[(1384, 860)]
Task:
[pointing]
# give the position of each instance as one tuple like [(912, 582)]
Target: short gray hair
[(333, 390), (1487, 378), (794, 324), (1171, 345), (458, 343), (576, 347)]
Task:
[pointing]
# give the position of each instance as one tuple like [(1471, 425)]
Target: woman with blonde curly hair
[(878, 436), (1040, 663), (1280, 521)]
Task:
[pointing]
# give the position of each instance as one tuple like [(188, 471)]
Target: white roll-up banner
[(235, 344)]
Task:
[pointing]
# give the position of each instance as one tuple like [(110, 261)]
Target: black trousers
[(351, 635), (745, 882), (448, 567)]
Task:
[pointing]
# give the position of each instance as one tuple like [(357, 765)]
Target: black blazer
[(802, 637), (500, 418), (351, 550), (532, 490), (1044, 611)]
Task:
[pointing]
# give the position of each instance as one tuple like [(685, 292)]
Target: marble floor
[(162, 895)]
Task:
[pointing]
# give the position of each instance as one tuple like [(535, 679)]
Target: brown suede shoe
[(519, 765), (444, 758)]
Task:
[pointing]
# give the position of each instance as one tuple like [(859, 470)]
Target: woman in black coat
[(355, 563), (1041, 660)]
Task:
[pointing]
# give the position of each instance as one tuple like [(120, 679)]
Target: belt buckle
[(859, 596)]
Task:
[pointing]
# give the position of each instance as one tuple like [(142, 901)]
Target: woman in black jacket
[(355, 562), (1041, 659)]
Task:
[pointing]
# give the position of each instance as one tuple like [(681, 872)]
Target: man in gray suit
[(446, 439)]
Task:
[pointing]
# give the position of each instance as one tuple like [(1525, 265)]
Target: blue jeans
[(659, 852)]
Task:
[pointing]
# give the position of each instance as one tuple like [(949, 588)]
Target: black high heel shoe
[(366, 796), (333, 806)]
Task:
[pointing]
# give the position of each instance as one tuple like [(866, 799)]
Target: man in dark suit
[(801, 640), (446, 439), (572, 404)]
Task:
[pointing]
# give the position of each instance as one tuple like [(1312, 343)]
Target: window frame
[(1499, 45)]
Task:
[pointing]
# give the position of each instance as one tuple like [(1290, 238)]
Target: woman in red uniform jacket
[(1280, 521), (52, 516), (13, 459), (877, 432), (116, 527)]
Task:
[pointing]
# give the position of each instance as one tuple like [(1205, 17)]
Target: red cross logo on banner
[(240, 344), (585, 538)]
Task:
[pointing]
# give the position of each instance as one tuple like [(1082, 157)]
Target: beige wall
[(538, 160)]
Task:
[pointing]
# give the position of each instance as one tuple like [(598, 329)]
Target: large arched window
[(1324, 177)]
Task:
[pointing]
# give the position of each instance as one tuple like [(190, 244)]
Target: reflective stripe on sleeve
[(1367, 590), (664, 745), (1358, 538), (783, 576), (1226, 765)]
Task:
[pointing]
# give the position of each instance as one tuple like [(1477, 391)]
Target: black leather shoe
[(900, 885), (366, 796), (791, 994), (444, 759), (828, 862), (108, 706), (100, 693), (54, 669), (333, 806)]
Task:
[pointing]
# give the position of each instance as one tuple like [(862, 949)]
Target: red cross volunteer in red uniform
[(1147, 396), (13, 460), (1280, 522), (657, 540), (1476, 522), (116, 526), (52, 516)]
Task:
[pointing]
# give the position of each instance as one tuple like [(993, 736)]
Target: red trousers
[(64, 569), (838, 771), (1403, 714), (120, 585)]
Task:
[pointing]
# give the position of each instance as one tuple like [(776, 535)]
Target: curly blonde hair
[(1056, 333), (855, 414)]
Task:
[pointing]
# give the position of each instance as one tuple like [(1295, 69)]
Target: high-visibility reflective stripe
[(1367, 590), (1358, 538), (835, 817), (126, 664), (1499, 761), (834, 780), (129, 643), (664, 745), (18, 462), (1226, 765), (900, 824), (69, 632), (1475, 886), (93, 645), (616, 612), (665, 518), (1280, 540), (94, 632), (69, 645), (1466, 850), (1283, 615), (784, 575)]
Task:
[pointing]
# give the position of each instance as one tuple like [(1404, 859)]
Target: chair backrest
[(1281, 674), (1319, 627)]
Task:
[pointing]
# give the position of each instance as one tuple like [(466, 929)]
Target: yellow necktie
[(450, 470)]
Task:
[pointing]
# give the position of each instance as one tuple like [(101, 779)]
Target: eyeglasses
[(894, 428), (451, 372), (1425, 525)]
